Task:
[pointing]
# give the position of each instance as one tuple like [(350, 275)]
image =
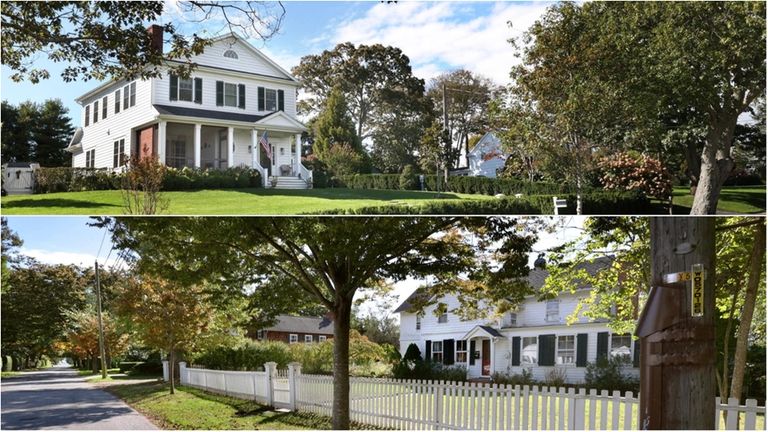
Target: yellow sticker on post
[(697, 290)]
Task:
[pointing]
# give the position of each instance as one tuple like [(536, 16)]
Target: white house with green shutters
[(238, 108), (535, 336)]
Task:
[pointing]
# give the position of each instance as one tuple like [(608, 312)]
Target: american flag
[(265, 143)]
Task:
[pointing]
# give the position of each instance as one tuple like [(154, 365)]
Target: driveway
[(58, 398)]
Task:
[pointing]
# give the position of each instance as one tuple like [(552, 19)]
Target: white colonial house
[(485, 158), (535, 336), (237, 107)]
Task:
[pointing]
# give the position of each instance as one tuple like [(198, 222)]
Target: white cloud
[(437, 37), (59, 257)]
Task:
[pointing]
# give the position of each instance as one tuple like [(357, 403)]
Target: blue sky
[(436, 36), (69, 240)]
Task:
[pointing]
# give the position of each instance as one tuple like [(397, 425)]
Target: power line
[(101, 245)]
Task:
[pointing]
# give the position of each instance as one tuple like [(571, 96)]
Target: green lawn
[(194, 409), (733, 199), (9, 374), (225, 202)]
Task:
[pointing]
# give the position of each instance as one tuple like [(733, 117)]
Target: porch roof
[(483, 331), (209, 114)]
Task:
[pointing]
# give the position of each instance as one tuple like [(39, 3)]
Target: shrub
[(128, 366), (250, 356), (320, 176), (623, 171), (141, 185), (7, 363), (523, 378), (147, 368), (408, 179), (743, 178), (67, 179), (607, 374), (555, 377), (412, 352)]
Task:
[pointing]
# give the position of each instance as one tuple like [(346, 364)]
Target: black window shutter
[(117, 101), (241, 95), (261, 99), (546, 350), (219, 93), (280, 100), (87, 114), (602, 345), (428, 351), (471, 352), (636, 354), (115, 157), (581, 349), (516, 351), (198, 90), (448, 346), (173, 94)]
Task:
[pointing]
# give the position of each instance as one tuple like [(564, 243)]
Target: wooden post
[(677, 356), (270, 368), (101, 325)]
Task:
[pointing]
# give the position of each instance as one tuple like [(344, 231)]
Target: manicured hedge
[(594, 203), (50, 180), (468, 185)]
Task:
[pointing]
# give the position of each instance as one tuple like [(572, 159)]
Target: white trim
[(293, 338), (281, 114), (255, 51)]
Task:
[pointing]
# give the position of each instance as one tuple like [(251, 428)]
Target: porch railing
[(305, 174)]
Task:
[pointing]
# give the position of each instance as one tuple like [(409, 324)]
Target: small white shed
[(486, 157), (19, 177)]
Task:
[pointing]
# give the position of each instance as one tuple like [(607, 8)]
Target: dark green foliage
[(250, 356), (147, 368), (127, 366), (607, 374), (7, 363), (50, 180), (523, 378), (412, 352), (321, 178), (36, 132), (408, 179), (469, 185), (428, 370)]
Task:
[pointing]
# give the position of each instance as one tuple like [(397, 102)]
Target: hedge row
[(468, 185), (50, 180), (593, 203)]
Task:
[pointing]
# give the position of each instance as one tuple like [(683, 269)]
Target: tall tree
[(17, 137), (373, 78), (83, 337), (626, 67), (51, 133), (329, 260), (102, 40), (467, 96), (333, 126)]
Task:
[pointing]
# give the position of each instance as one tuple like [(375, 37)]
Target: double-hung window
[(118, 155), (87, 115), (186, 89), (90, 158), (117, 101), (260, 334), (129, 95), (270, 99), (553, 310), (621, 346), (461, 351), (293, 338), (437, 351), (321, 338), (566, 350), (230, 94), (418, 322), (96, 111), (443, 318), (530, 352), (104, 106), (307, 338)]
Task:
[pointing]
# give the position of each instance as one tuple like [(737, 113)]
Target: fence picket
[(615, 411), (592, 408), (552, 392), (628, 403), (751, 416), (516, 407), (731, 422), (604, 409), (561, 409), (535, 407), (525, 407), (579, 409)]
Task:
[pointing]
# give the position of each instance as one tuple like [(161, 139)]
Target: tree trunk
[(716, 164), (341, 325), (171, 369), (745, 322), (95, 364), (677, 355)]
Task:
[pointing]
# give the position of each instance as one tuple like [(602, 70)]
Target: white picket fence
[(421, 404)]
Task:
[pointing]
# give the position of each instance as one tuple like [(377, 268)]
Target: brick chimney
[(156, 35)]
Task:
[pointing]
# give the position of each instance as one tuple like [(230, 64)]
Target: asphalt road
[(58, 398)]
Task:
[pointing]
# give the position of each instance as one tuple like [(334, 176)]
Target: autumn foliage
[(623, 171)]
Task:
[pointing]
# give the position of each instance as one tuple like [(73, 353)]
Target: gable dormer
[(231, 52)]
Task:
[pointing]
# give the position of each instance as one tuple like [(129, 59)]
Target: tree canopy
[(34, 132)]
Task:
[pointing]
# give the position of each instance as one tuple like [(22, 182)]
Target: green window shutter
[(581, 349), (448, 346), (471, 352), (261, 99), (546, 350), (602, 345), (198, 90), (636, 354), (219, 93), (516, 351), (428, 351), (280, 100), (241, 95), (174, 90)]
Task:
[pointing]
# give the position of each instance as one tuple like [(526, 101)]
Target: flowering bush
[(622, 171)]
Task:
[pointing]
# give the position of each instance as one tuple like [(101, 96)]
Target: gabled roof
[(281, 120), (487, 137), (256, 52), (482, 331), (296, 324), (536, 279), (75, 142)]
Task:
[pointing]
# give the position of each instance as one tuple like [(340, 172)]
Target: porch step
[(284, 182)]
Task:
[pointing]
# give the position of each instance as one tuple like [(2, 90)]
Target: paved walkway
[(58, 398)]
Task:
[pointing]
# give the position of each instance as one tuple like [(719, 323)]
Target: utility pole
[(446, 131), (101, 325), (677, 327)]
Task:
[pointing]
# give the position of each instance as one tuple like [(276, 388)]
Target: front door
[(223, 149), (486, 357)]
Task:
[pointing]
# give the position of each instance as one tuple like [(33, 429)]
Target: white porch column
[(492, 362), (255, 159), (161, 144), (297, 162), (198, 145), (230, 147)]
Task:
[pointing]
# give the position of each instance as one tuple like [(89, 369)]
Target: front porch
[(212, 145), (481, 342)]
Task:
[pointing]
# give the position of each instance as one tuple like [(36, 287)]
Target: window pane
[(621, 346), (530, 354), (230, 94), (270, 100), (185, 89)]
